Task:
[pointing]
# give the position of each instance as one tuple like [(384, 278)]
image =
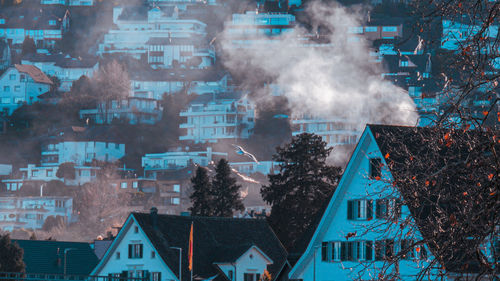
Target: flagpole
[(191, 250)]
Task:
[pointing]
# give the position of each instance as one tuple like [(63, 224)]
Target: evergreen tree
[(301, 188), (201, 196), (11, 255), (28, 46), (225, 191)]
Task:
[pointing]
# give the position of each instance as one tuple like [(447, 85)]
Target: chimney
[(153, 213)]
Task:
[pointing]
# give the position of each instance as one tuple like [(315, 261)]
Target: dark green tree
[(66, 171), (201, 196), (225, 191), (303, 185), (11, 255), (28, 46)]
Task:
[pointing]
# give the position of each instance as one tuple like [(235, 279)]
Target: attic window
[(136, 229), (52, 22), (153, 254)]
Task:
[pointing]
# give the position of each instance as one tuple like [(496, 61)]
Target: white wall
[(81, 152), (111, 264)]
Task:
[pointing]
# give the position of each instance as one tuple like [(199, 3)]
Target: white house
[(192, 52), (45, 25), (81, 152), (135, 26), (455, 33), (33, 173), (64, 67), (364, 225), (334, 131), (263, 167), (181, 4), (151, 245), (210, 119), (21, 84), (175, 160), (68, 2), (31, 212), (141, 108), (156, 83)]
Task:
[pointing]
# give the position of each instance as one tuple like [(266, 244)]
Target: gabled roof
[(213, 239), (62, 60), (33, 16), (47, 257), (34, 72)]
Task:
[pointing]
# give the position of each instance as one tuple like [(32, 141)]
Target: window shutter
[(343, 251), (379, 250), (140, 250), (147, 274), (350, 206), (130, 249), (377, 208), (159, 276), (349, 250), (324, 252), (369, 209), (368, 250)]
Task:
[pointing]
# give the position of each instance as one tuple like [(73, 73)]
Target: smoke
[(335, 79)]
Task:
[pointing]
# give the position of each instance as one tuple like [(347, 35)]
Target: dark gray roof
[(177, 41), (64, 61), (213, 239), (31, 16), (47, 257)]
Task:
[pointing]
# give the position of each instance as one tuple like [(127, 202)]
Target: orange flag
[(191, 248)]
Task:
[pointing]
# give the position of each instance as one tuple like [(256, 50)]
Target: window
[(136, 229), (407, 249), (356, 29), (52, 22), (177, 188), (90, 156), (60, 204), (123, 184), (175, 201), (153, 254), (49, 173), (135, 184), (135, 251), (39, 217), (404, 63), (388, 208), (92, 173), (375, 171), (117, 255), (371, 29), (117, 146), (389, 28), (34, 173), (347, 251), (251, 277), (12, 77), (18, 100), (230, 274), (5, 100), (359, 209), (155, 276), (384, 249), (6, 88), (22, 78)]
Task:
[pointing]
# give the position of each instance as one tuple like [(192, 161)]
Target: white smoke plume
[(335, 80)]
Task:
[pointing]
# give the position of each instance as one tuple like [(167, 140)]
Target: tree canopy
[(11, 255), (201, 196), (226, 193), (305, 182)]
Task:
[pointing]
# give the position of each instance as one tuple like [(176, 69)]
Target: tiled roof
[(47, 257), (214, 238), (34, 72)]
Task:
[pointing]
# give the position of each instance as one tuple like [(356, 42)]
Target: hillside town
[(249, 140)]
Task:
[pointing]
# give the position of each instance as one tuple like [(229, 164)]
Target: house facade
[(64, 67), (44, 25), (81, 152), (209, 119), (176, 160), (334, 131), (21, 84), (31, 212), (263, 167), (223, 249), (171, 52), (135, 26), (364, 226)]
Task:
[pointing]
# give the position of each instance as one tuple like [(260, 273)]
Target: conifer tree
[(301, 188), (201, 196), (11, 255), (226, 195)]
